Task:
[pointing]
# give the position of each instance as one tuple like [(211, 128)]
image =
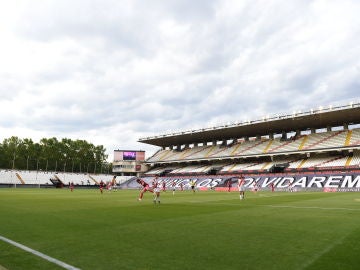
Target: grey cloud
[(116, 71), (184, 11)]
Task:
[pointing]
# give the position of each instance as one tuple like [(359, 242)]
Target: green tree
[(11, 150), (50, 154)]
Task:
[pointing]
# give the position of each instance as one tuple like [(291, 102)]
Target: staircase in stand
[(322, 140)]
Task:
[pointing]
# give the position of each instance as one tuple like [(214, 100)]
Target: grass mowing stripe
[(187, 231), (39, 254), (312, 207), (323, 251)]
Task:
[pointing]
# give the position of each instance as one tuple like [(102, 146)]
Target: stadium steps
[(355, 159), (154, 155), (327, 161), (206, 169), (311, 146), (266, 164), (189, 169), (238, 167), (301, 146), (93, 179), (301, 164), (279, 146), (355, 137), (158, 155), (232, 167), (163, 155), (169, 155), (248, 166), (217, 152), (250, 147), (198, 151), (209, 152), (20, 178), (268, 146), (235, 150), (357, 142), (57, 178), (290, 167), (348, 138), (252, 167), (186, 151), (348, 161)]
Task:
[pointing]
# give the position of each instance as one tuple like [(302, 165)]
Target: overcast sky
[(111, 72)]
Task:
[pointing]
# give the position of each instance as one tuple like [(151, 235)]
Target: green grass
[(206, 230)]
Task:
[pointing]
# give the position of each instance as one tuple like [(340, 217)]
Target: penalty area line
[(39, 254)]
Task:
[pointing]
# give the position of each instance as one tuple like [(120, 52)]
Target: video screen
[(129, 156)]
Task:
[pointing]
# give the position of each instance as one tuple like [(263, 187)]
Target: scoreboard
[(129, 155), (129, 162)]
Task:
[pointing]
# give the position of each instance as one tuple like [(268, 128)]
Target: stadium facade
[(316, 149)]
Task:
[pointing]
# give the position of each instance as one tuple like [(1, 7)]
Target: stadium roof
[(314, 119)]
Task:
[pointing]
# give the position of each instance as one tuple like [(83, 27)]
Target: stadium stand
[(41, 178), (323, 141), (161, 170), (315, 141), (9, 177), (192, 169), (355, 161), (318, 140)]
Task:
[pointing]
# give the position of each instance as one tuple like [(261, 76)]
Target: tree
[(11, 148), (51, 154)]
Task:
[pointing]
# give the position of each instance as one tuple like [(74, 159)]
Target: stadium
[(308, 221), (317, 149), (322, 143)]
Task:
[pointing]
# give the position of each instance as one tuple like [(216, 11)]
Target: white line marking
[(3, 268), (37, 253), (320, 253), (312, 207)]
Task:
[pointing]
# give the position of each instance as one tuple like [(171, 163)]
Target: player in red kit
[(229, 184), (272, 187), (164, 186), (145, 187), (72, 186), (102, 184)]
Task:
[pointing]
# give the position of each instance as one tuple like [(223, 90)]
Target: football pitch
[(205, 230)]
